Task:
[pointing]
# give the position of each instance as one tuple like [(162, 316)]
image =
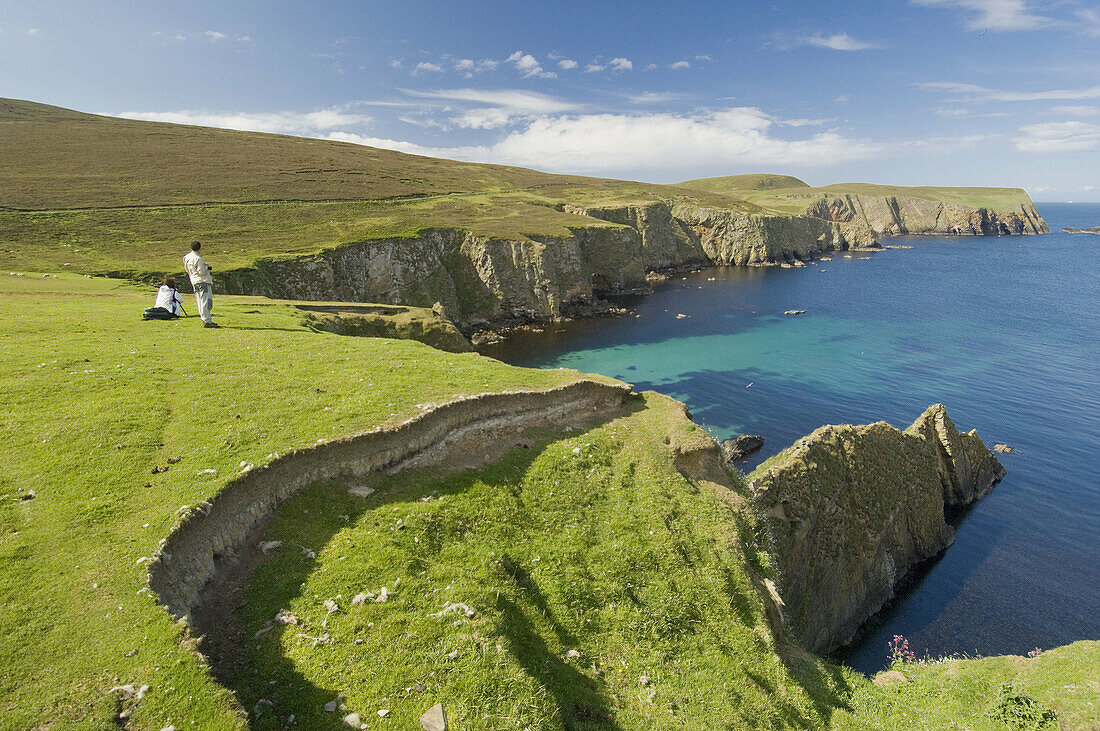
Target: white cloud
[(1076, 111), (803, 122), (515, 99), (427, 67), (396, 63), (961, 112), (567, 64), (653, 97), (979, 94), (656, 144), (1088, 22), (650, 66), (297, 123), (703, 57), (212, 36), (529, 66), (33, 31), (944, 145), (469, 66), (495, 108), (384, 143), (1053, 137), (680, 65), (621, 64), (998, 15), (593, 68), (838, 42)]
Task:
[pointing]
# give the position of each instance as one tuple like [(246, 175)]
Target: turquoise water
[(1004, 331)]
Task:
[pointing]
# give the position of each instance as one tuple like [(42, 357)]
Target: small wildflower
[(898, 650)]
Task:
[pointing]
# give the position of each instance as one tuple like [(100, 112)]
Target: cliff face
[(892, 215), (853, 508), (491, 282)]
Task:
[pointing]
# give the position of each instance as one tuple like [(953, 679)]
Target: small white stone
[(383, 713), (352, 720)]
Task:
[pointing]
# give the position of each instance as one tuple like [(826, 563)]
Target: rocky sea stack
[(852, 509)]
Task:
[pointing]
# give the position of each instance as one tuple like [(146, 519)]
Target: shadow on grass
[(267, 682), (581, 705)]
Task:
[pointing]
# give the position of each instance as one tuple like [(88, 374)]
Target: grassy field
[(95, 399), (787, 195), (588, 542)]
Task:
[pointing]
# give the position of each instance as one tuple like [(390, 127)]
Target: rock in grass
[(352, 720), (741, 446), (890, 677), (331, 706), (434, 719)]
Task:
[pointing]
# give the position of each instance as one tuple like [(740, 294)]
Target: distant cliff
[(852, 509), (892, 215), (490, 282)]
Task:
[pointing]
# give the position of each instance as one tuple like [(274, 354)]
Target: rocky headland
[(1089, 230), (488, 282), (852, 509)]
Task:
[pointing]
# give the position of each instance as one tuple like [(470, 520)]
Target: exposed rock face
[(741, 447), (208, 539), (853, 508), (891, 215), (485, 282)]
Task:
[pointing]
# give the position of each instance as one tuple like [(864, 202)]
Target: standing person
[(202, 282), (168, 298)]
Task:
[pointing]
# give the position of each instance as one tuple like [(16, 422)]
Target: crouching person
[(169, 299)]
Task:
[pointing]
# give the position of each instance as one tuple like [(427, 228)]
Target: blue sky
[(938, 92)]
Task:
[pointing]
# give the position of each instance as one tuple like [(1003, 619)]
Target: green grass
[(969, 693), (790, 196), (592, 543), (94, 400)]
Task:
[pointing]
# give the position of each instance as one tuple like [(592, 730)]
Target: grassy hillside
[(782, 193), (102, 195)]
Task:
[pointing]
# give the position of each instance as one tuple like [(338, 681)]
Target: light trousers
[(204, 299)]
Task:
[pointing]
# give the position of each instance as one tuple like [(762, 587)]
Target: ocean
[(1005, 331)]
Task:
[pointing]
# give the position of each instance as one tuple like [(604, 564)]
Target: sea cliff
[(852, 509), (488, 282)]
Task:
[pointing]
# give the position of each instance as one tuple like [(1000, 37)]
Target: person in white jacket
[(202, 282), (168, 298)]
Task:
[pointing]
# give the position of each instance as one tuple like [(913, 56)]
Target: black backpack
[(158, 313)]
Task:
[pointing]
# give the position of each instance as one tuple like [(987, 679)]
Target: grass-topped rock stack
[(609, 576), (851, 509)]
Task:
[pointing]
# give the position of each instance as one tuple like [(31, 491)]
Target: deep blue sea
[(1003, 330)]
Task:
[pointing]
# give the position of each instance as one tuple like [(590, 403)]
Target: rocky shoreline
[(486, 283)]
